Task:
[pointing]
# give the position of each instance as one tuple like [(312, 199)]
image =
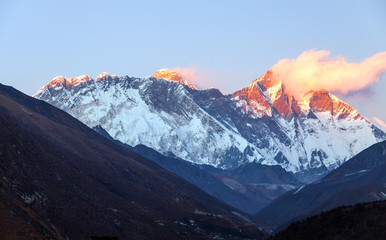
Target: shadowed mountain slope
[(18, 221), (82, 184), (361, 179), (256, 188)]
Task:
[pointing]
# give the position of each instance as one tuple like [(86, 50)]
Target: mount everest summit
[(260, 123)]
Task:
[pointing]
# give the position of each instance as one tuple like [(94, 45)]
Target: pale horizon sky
[(230, 43)]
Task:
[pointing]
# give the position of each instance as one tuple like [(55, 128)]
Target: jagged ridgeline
[(261, 123)]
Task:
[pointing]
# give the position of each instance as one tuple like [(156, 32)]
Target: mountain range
[(261, 123)]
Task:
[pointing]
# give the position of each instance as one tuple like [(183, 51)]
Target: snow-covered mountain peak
[(56, 82), (63, 82), (171, 75), (268, 80), (105, 76), (269, 92), (323, 101)]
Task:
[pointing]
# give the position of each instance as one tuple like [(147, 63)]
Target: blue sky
[(232, 42)]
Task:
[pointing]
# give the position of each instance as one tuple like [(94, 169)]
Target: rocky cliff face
[(260, 123)]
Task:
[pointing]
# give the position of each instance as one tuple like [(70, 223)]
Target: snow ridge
[(260, 123)]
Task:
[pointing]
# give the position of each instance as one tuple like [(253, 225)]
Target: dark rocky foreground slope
[(361, 179), (68, 181), (17, 221), (362, 221), (248, 188)]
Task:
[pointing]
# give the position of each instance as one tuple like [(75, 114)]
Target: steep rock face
[(261, 123), (266, 93)]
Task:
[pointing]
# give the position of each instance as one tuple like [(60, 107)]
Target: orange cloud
[(205, 78), (190, 74), (316, 70), (380, 122)]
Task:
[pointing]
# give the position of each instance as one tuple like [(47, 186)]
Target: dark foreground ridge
[(362, 221), (243, 188), (62, 179), (360, 179)]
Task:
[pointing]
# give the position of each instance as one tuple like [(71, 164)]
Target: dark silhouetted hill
[(362, 221)]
